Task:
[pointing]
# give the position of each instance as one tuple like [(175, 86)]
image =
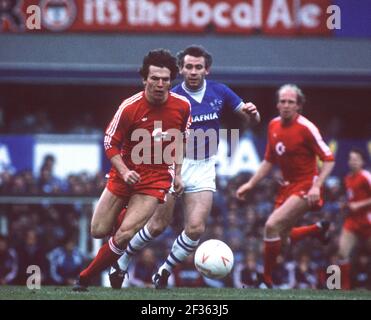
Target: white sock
[(137, 243), (183, 246)]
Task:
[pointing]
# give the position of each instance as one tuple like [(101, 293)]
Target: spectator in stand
[(186, 275), (361, 272), (141, 273), (304, 273), (8, 262), (31, 252), (248, 273), (66, 262)]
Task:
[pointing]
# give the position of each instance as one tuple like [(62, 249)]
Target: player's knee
[(195, 231), (271, 227), (343, 254), (98, 231), (156, 229)]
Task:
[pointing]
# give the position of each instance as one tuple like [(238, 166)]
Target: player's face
[(194, 72), (288, 104), (157, 85), (355, 161)]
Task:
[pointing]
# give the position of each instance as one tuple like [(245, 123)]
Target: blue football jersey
[(204, 131)]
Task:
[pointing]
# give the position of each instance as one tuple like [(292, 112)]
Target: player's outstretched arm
[(315, 192), (250, 112), (263, 171)]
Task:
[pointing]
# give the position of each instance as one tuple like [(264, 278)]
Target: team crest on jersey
[(216, 104), (58, 15), (280, 148)]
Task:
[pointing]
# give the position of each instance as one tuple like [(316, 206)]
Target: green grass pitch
[(99, 293)]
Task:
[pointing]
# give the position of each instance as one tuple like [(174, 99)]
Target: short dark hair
[(195, 51), (160, 58), (359, 152)]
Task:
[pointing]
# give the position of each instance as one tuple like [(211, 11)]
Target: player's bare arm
[(178, 181), (262, 172), (250, 111), (129, 176), (315, 192), (358, 205)]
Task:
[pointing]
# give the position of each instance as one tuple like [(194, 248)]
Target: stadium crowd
[(46, 235)]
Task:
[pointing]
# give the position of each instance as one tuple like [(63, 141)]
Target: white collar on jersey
[(197, 95)]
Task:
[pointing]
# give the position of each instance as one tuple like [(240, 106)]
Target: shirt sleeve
[(116, 131), (232, 100), (269, 154), (367, 176), (187, 122), (317, 144)]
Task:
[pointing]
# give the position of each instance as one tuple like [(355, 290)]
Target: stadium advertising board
[(270, 17), (73, 154)]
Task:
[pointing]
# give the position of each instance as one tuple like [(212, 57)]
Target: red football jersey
[(136, 119), (358, 188), (294, 148)]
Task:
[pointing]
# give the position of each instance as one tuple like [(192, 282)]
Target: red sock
[(272, 249), (119, 220), (345, 275), (302, 232), (107, 254)]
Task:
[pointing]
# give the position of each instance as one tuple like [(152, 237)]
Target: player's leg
[(154, 227), (347, 241), (317, 230), (105, 214), (108, 208), (276, 227), (139, 210), (197, 206)]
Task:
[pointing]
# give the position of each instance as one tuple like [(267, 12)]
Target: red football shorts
[(359, 224), (153, 182), (299, 189)]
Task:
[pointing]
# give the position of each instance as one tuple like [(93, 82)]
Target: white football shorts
[(198, 175)]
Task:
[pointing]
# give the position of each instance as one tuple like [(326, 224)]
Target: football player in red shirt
[(143, 140), (293, 144), (357, 224)]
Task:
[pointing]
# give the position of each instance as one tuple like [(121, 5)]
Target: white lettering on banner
[(220, 10), (226, 16), (144, 12), (309, 16), (249, 15), (280, 13), (102, 12)]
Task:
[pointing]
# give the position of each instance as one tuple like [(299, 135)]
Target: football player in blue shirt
[(208, 99)]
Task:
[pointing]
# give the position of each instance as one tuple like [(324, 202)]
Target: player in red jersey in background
[(143, 140), (293, 144), (357, 224)]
